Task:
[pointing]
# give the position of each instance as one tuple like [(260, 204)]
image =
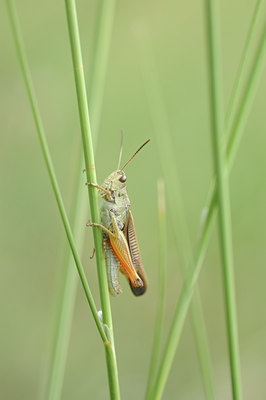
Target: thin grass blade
[(48, 161), (232, 107), (62, 331)]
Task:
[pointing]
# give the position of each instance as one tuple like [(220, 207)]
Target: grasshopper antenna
[(147, 141), (121, 148)]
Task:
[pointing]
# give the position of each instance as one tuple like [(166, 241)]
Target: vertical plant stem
[(162, 282), (93, 195), (223, 195), (174, 198), (195, 266), (66, 306), (48, 161)]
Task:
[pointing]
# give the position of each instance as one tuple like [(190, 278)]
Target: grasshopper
[(119, 236)]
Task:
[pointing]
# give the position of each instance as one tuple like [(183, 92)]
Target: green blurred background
[(33, 241)]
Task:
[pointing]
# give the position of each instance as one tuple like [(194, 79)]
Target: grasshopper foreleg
[(99, 188)]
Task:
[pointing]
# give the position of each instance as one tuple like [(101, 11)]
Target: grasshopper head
[(115, 181)]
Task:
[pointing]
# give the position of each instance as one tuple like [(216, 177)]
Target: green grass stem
[(162, 246), (223, 193), (80, 206), (187, 291), (174, 199), (48, 161), (93, 194)]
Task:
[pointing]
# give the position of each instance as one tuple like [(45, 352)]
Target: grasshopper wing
[(113, 268), (136, 257)]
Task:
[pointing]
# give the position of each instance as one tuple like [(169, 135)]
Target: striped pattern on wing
[(120, 248), (136, 257)]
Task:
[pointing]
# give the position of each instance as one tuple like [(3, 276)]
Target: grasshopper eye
[(123, 178)]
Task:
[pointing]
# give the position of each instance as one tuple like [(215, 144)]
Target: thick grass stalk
[(223, 194), (174, 199), (93, 194), (195, 266), (162, 248), (48, 161), (68, 294)]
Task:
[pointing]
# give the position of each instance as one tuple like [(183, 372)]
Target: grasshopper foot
[(93, 252)]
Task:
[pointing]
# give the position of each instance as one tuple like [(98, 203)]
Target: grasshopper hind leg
[(136, 257), (138, 291)]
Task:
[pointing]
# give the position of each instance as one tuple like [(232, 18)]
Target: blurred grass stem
[(235, 136), (223, 194), (242, 67), (64, 316), (100, 63), (176, 207), (162, 248), (93, 194)]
